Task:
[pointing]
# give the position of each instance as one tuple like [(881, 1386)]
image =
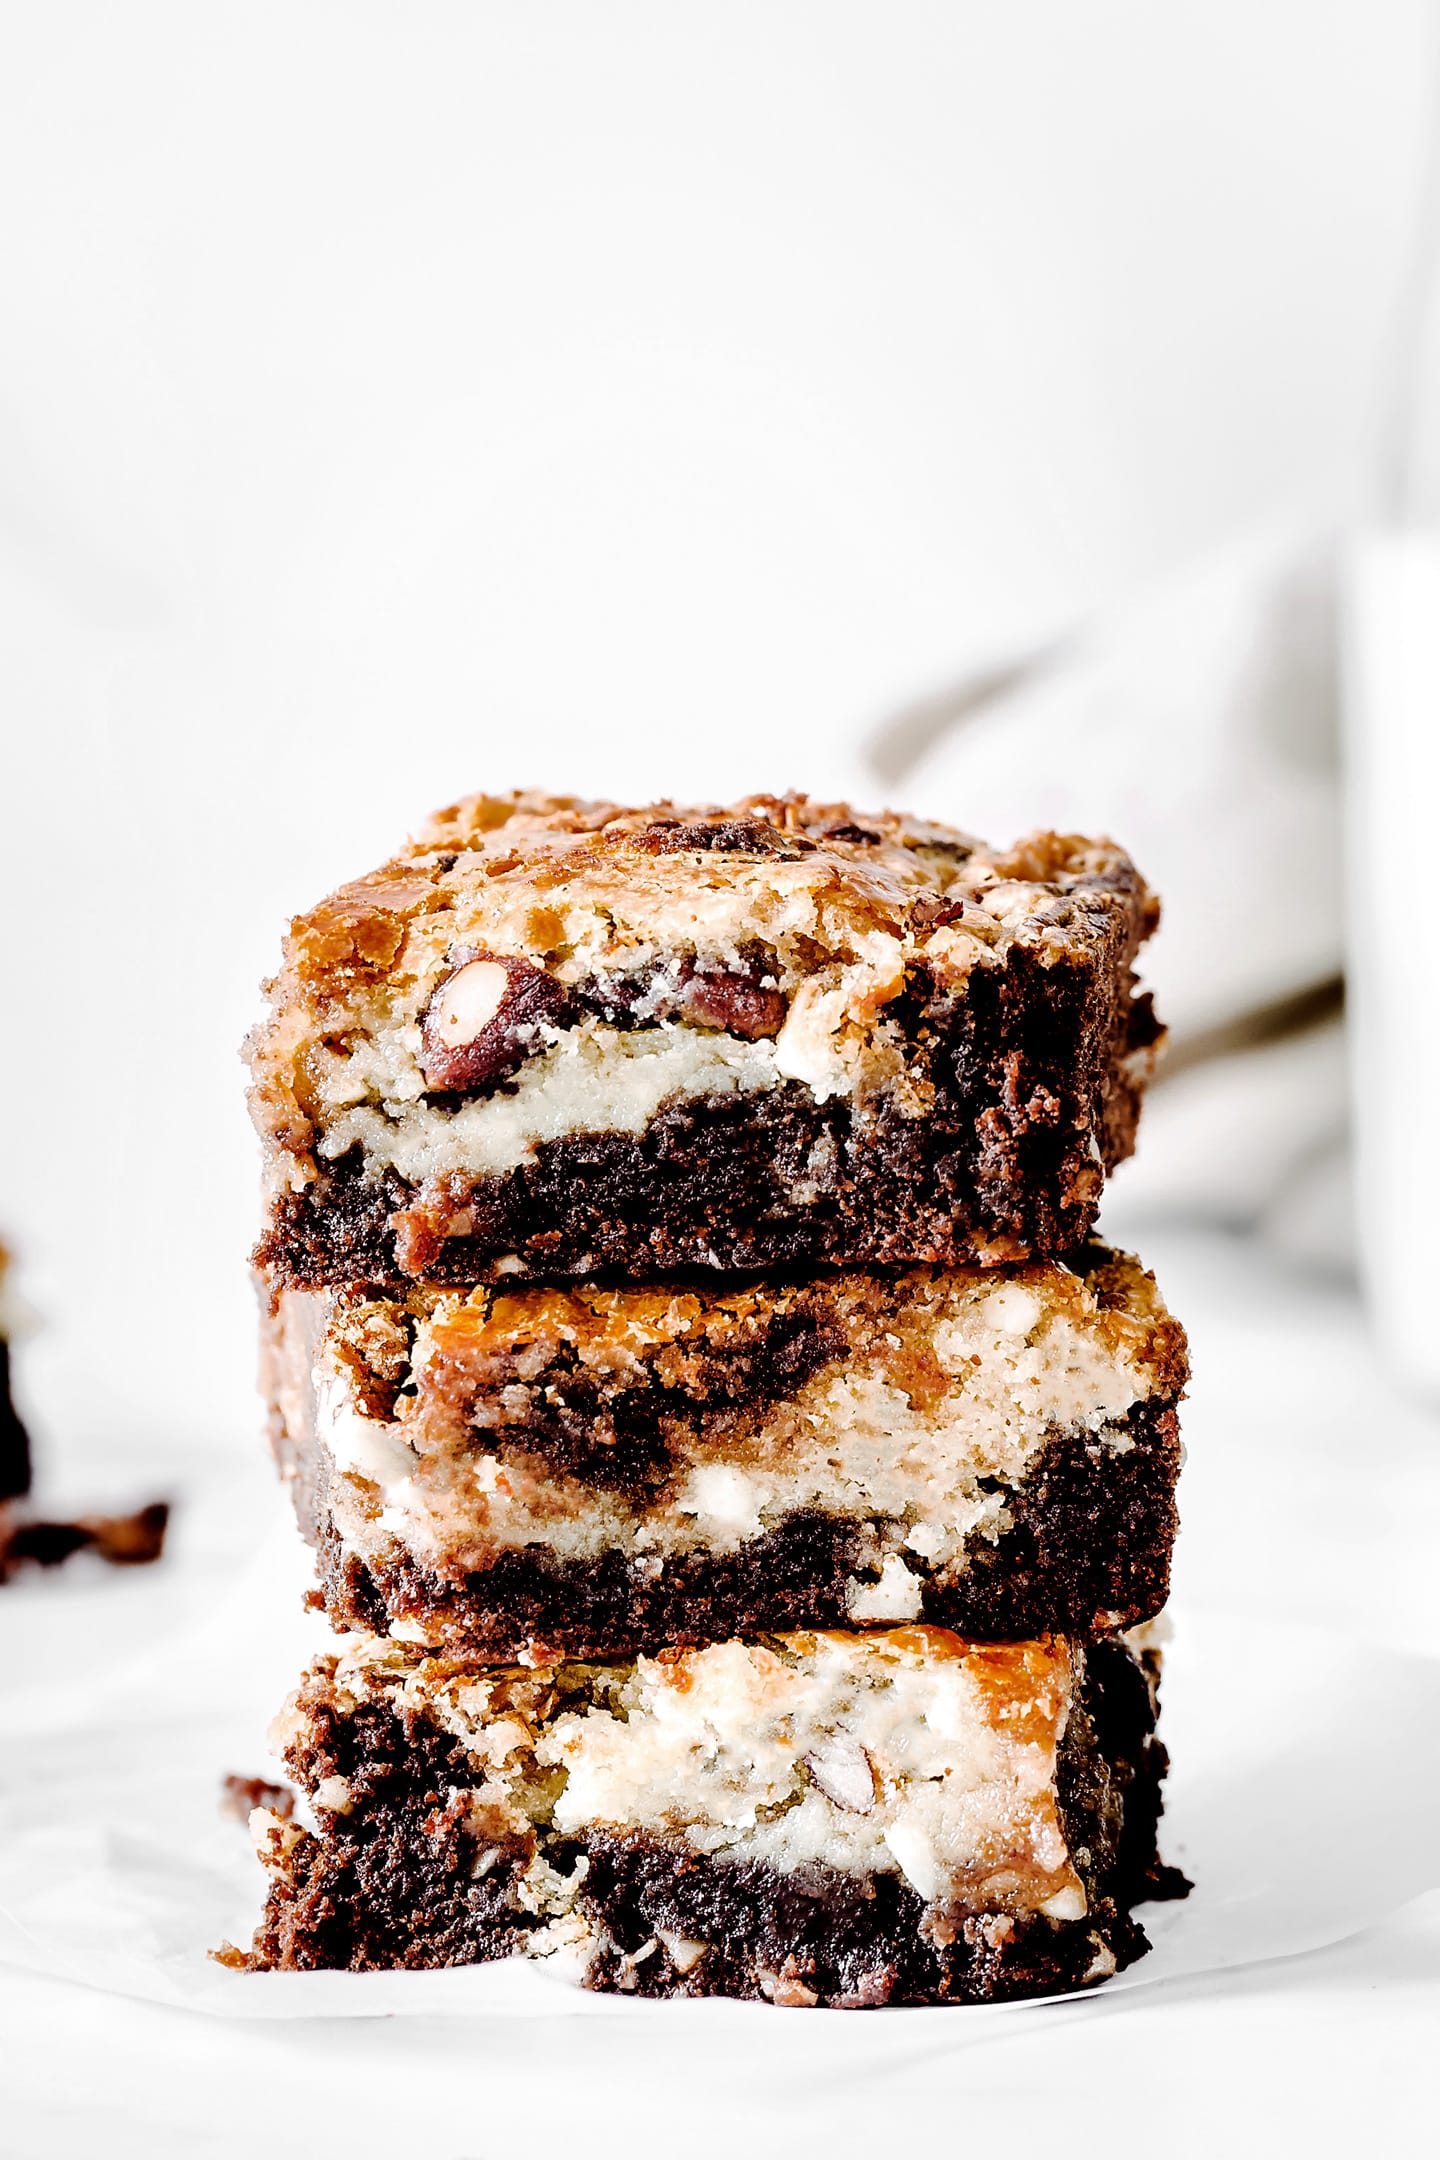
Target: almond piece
[(715, 998), (845, 1774), (484, 1021), (466, 1003)]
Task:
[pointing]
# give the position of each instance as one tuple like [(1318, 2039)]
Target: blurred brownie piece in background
[(124, 1540), (16, 1469)]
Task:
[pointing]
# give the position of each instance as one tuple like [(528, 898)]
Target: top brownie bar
[(555, 1038)]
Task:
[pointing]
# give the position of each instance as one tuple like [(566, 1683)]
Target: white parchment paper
[(1302, 1801)]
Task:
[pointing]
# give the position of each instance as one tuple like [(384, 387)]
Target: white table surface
[(1312, 1493)]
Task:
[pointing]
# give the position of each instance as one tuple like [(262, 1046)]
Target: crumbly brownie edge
[(392, 1884), (1088, 1550), (1025, 1070)]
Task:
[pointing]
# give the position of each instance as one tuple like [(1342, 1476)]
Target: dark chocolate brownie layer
[(1087, 1549), (816, 1938)]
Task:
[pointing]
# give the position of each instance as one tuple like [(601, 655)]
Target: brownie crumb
[(238, 1795)]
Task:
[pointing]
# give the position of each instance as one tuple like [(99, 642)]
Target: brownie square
[(855, 1820), (554, 1039), (587, 1472)]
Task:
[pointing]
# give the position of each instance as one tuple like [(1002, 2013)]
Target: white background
[(400, 399), (396, 400)]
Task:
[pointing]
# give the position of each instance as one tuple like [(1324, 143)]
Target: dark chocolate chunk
[(729, 836)]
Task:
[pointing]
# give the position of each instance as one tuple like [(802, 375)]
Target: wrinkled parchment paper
[(1305, 1769)]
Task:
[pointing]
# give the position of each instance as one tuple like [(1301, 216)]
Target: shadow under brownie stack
[(740, 1486)]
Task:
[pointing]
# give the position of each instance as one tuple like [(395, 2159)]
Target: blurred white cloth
[(1199, 726), (1390, 613)]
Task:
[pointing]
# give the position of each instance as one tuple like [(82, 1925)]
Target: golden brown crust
[(669, 1332), (488, 861)]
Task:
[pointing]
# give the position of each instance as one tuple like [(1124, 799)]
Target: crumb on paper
[(122, 1540), (238, 1795)]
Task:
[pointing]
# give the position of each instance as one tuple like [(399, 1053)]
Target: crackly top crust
[(842, 902), (636, 1336)]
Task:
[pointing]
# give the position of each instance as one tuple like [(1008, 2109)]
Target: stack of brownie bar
[(739, 1484)]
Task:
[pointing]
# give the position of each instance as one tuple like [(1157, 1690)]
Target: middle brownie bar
[(596, 1473)]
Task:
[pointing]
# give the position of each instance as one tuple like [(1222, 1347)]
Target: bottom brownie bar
[(893, 1817)]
